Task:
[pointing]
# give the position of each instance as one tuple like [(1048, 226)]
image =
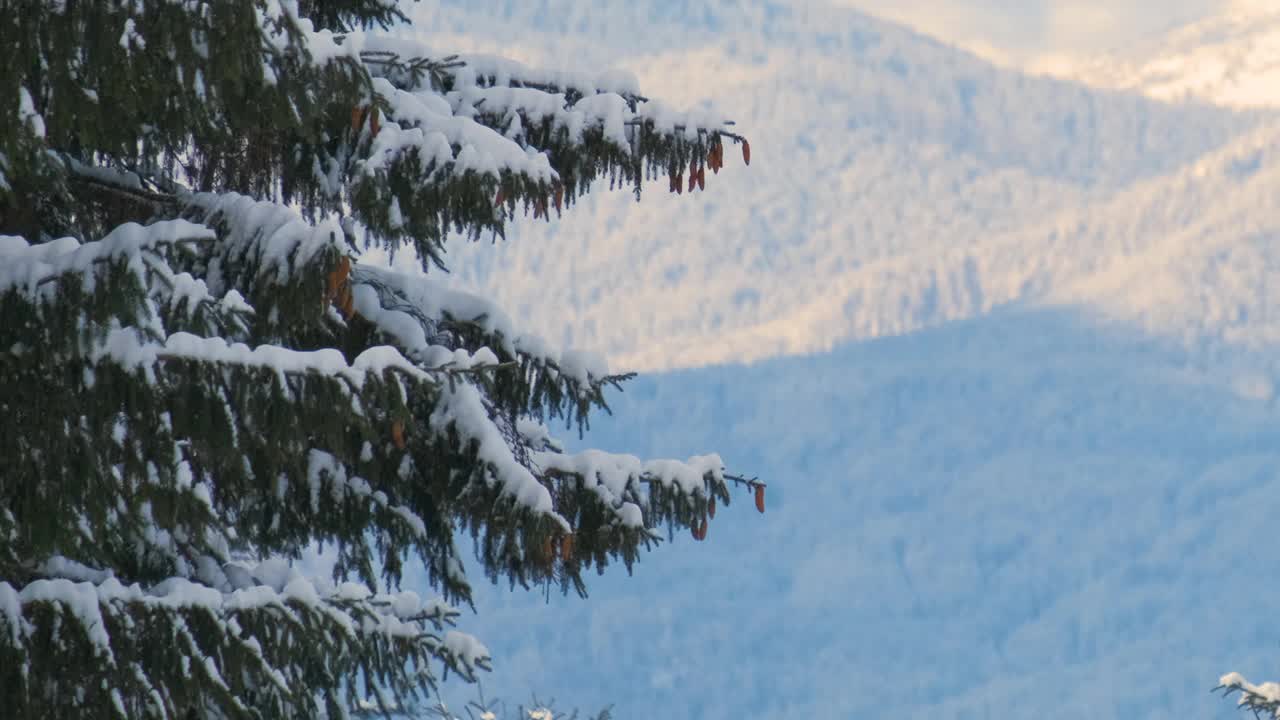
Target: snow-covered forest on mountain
[(907, 184), (1006, 345), (1231, 58)]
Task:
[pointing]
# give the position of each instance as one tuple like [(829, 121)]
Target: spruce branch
[(75, 275), (1262, 701), (750, 483), (396, 69), (156, 200), (701, 131)]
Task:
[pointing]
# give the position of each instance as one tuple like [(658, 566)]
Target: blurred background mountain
[(1002, 336)]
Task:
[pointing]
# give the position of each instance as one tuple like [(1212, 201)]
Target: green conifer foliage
[(199, 380)]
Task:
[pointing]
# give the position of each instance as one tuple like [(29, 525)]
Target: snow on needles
[(438, 301), (466, 648), (27, 114), (425, 127), (285, 243), (273, 235), (1268, 692), (463, 407), (619, 478), (322, 467), (271, 584), (505, 71), (599, 106), (425, 122), (322, 46), (126, 348), (22, 264), (410, 334)]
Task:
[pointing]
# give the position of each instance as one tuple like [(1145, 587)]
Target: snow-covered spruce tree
[(199, 381)]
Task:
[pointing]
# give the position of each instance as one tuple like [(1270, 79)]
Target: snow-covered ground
[(1035, 474)]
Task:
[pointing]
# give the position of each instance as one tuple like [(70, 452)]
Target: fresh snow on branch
[(462, 407), (127, 349), (268, 585), (323, 467), (1264, 698), (29, 266), (322, 46), (27, 114), (621, 480), (504, 71), (416, 303), (516, 95), (272, 236), (425, 126)]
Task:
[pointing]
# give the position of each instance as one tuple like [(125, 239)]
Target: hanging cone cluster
[(697, 170), (338, 287), (699, 530)]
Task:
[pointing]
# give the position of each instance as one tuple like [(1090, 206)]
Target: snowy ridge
[(1142, 258), (1231, 58)]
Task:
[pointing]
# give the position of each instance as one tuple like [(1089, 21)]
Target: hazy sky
[(1023, 30)]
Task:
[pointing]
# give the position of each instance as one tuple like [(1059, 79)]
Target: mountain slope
[(1231, 58), (872, 144), (1019, 515), (1193, 255)]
